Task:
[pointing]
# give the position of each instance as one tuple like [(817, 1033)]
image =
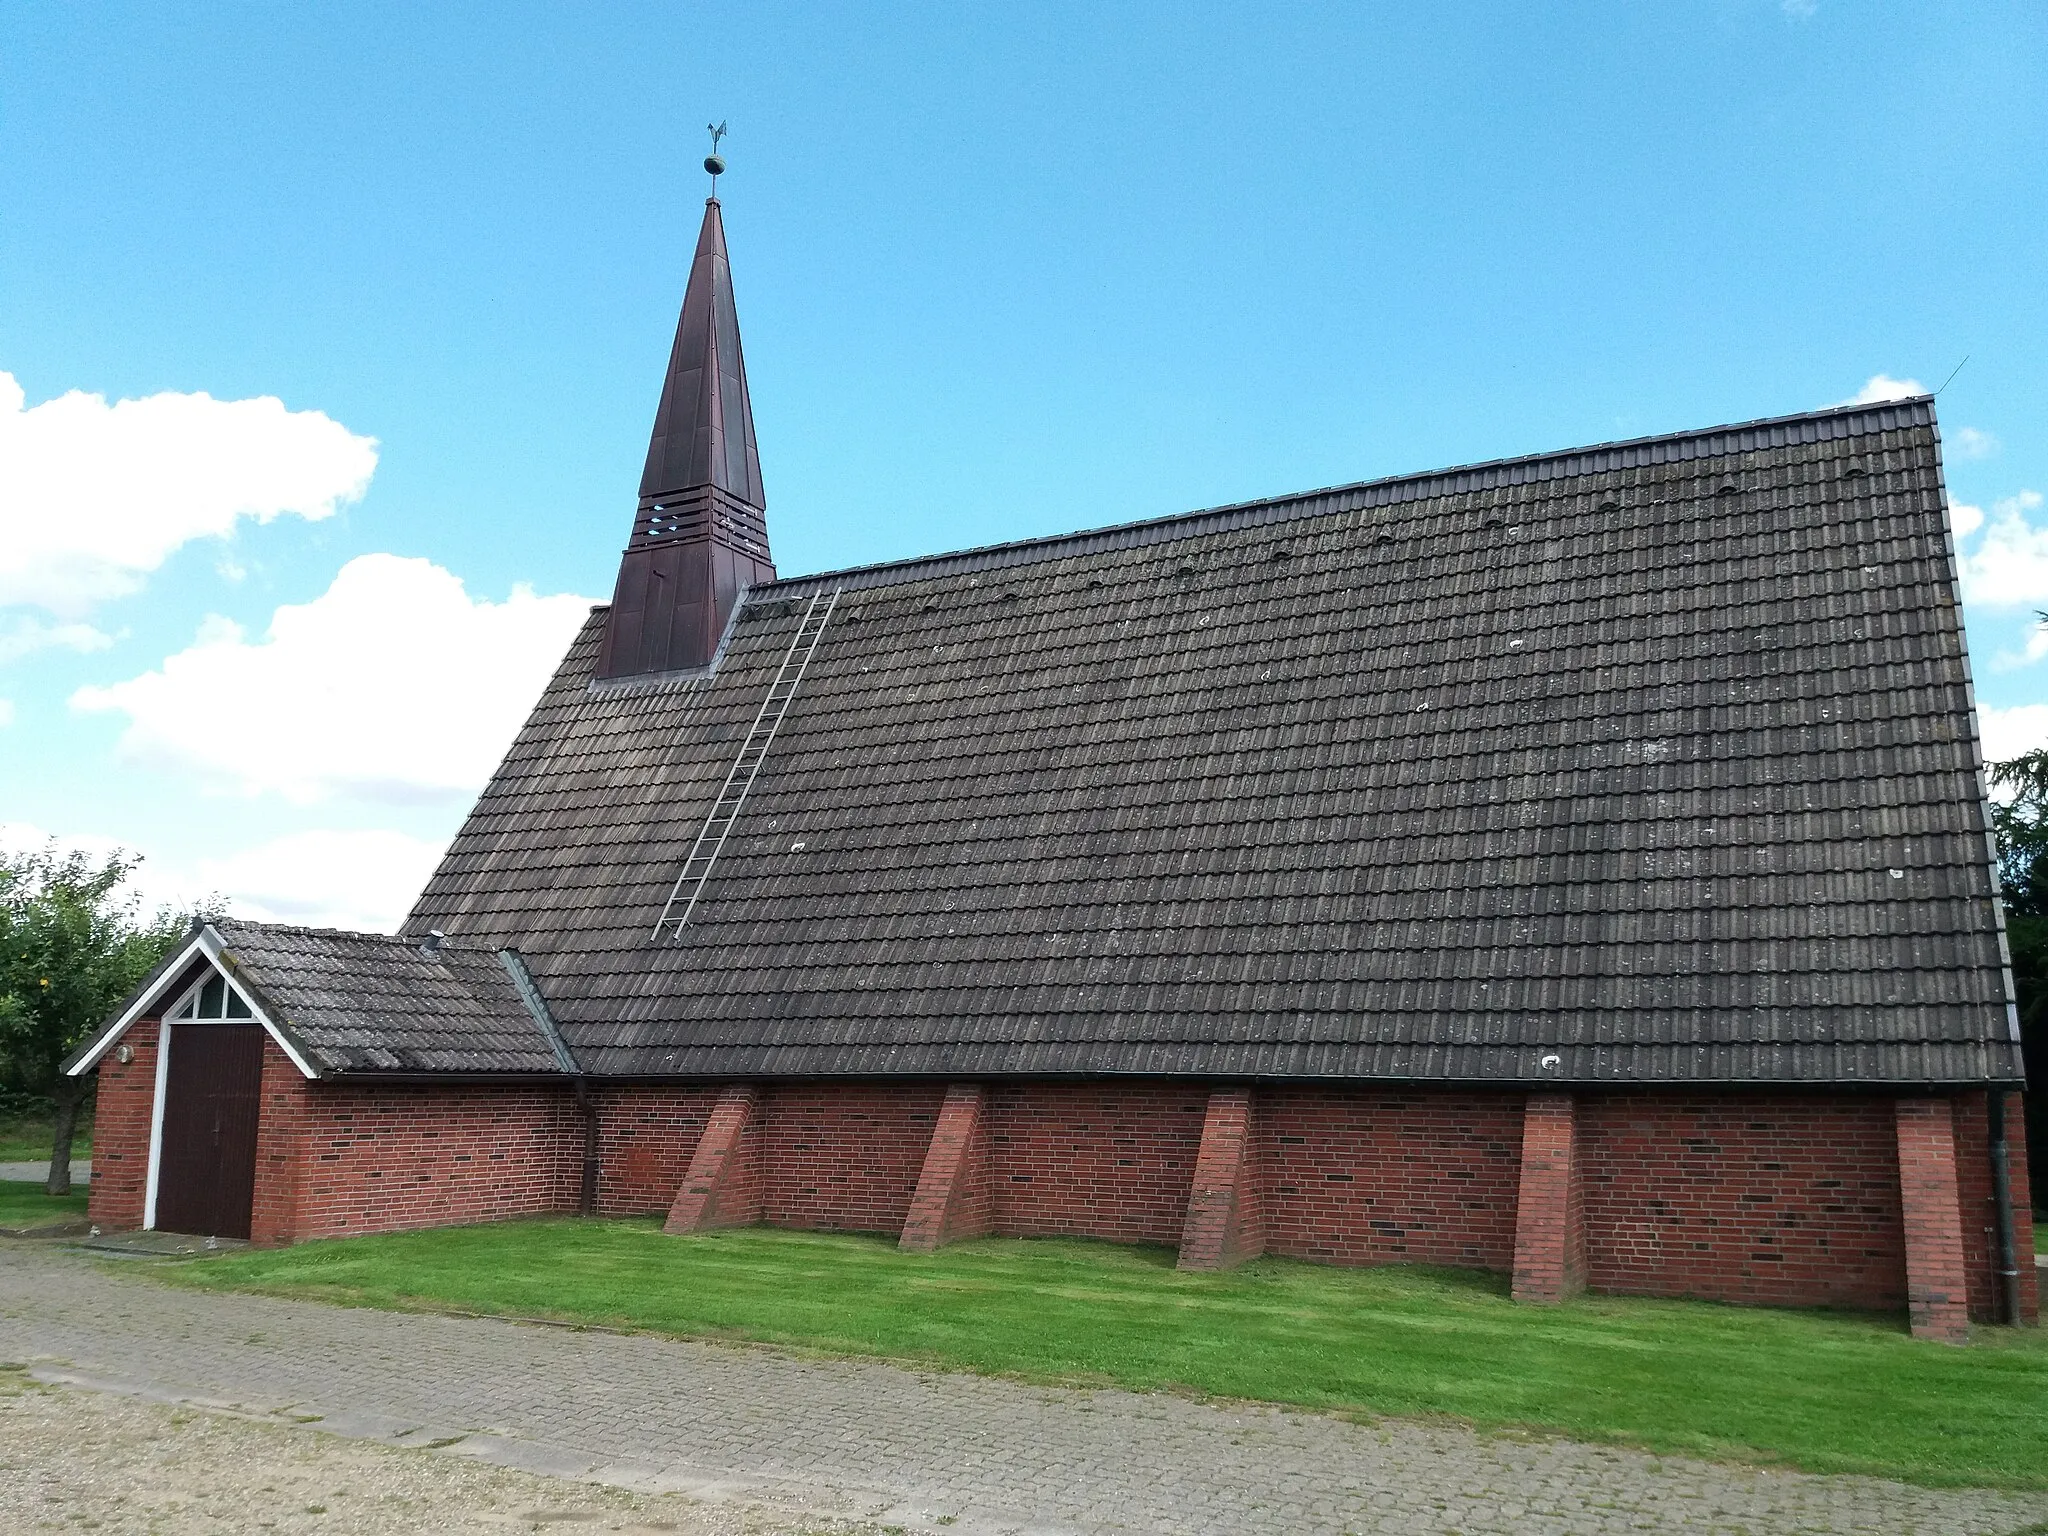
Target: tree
[(2021, 822), (72, 947)]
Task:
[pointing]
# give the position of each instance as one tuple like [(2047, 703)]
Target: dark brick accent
[(1550, 1211), (952, 1187)]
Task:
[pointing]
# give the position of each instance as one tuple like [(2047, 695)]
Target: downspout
[(586, 1199), (2001, 1199), (529, 993)]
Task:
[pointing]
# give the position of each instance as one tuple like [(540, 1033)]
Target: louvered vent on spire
[(701, 537)]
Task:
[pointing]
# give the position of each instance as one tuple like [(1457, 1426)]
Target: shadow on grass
[(1825, 1391)]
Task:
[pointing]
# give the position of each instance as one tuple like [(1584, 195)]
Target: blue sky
[(1001, 272)]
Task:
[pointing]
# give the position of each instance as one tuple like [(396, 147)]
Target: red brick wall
[(2023, 1205), (1744, 1197), (646, 1137), (280, 1163), (125, 1100), (1980, 1211), (1387, 1177), (1740, 1196), (1093, 1160), (386, 1159), (844, 1156)]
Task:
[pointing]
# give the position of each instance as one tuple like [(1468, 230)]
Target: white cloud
[(1969, 443), (1964, 519), (1799, 10), (1880, 387), (2010, 565), (364, 880), (2035, 648), (2007, 733), (27, 635), (2037, 642), (93, 497), (393, 686)]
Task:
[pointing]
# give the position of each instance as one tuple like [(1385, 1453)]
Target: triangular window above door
[(215, 998)]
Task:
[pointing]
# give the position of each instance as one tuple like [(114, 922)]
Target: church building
[(1572, 866)]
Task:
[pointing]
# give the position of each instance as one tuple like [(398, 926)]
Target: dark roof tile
[(365, 1002), (1590, 759)]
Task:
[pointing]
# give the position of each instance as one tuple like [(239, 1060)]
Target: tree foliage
[(73, 945), (2020, 819)]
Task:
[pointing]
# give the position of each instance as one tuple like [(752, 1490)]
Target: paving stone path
[(924, 1450), (81, 1172)]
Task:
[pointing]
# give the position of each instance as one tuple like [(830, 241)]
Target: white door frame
[(156, 1119)]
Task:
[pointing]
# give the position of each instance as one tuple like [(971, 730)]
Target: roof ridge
[(1912, 410), (329, 933)]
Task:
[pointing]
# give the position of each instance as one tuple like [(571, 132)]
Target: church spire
[(701, 537)]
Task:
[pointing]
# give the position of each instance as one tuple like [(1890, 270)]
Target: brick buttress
[(1223, 1223), (723, 1186), (1550, 1212), (1937, 1287), (952, 1199)]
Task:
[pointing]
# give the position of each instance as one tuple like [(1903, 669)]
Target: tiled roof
[(366, 1002), (1653, 762)]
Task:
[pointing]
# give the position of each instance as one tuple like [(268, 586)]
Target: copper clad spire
[(700, 538), (704, 428)]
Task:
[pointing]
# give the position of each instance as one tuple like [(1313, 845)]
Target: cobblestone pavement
[(918, 1449), (73, 1459)]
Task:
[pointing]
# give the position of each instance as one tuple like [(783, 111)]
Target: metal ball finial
[(715, 162)]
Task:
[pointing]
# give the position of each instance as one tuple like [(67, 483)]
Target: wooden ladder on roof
[(725, 810)]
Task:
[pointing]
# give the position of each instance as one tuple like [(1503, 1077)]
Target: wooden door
[(206, 1163)]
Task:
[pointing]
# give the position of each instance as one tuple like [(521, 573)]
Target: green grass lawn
[(28, 1141), (25, 1205), (1825, 1391)]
